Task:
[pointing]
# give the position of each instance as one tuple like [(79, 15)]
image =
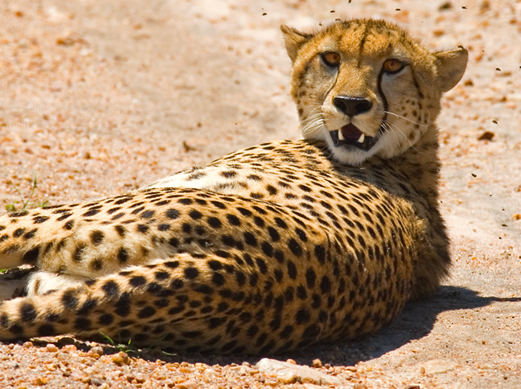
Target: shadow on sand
[(416, 321)]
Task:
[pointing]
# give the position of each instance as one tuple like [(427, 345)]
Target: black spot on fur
[(96, 237), (301, 234), (219, 205), (161, 275), (258, 221), (91, 212), (30, 234), (205, 289), (174, 242), (286, 332), (17, 330), (325, 285), (110, 288), (244, 211), (143, 228), (87, 307), (76, 256), (214, 222), (96, 264), (292, 270), (320, 253), (122, 307), (172, 213), (40, 219), (106, 319), (137, 281), (218, 279), (262, 265), (27, 312), (280, 223), (147, 214), (31, 256), (273, 234), (146, 312), (191, 272), (163, 227), (69, 300), (271, 190), (122, 255), (233, 220), (172, 264), (250, 239), (267, 249), (194, 214), (215, 265), (295, 247), (82, 324), (228, 240), (120, 230), (46, 330), (229, 174), (18, 232), (310, 278), (302, 316)]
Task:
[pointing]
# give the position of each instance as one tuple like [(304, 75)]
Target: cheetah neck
[(421, 164)]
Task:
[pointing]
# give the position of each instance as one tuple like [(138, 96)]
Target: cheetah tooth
[(361, 139), (340, 135)]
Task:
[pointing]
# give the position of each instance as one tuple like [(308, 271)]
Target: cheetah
[(271, 248)]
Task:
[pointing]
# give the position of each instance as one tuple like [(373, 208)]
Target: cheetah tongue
[(351, 136), (351, 133)]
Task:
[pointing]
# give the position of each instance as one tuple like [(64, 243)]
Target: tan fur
[(270, 248)]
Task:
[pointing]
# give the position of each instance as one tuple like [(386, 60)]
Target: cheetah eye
[(331, 59), (392, 65)]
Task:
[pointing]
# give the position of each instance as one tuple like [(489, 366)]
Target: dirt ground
[(101, 97)]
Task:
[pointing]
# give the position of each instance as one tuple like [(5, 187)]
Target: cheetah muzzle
[(350, 136), (271, 248)]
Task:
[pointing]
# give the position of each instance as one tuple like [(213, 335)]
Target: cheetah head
[(366, 88)]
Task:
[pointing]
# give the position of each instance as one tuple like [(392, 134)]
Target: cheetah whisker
[(394, 129), (404, 118), (313, 124)]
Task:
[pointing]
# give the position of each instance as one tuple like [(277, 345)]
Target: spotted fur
[(270, 248)]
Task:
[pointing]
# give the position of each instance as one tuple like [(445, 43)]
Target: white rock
[(290, 373)]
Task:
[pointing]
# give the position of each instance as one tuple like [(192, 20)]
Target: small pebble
[(487, 135), (96, 350), (121, 358), (51, 347), (40, 381)]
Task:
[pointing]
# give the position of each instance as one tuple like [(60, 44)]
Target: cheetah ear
[(450, 66), (293, 40)]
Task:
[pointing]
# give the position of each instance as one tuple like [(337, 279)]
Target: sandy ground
[(101, 97)]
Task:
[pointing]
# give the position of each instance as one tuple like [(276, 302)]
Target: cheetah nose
[(352, 106)]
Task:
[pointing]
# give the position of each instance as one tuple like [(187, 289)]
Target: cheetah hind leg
[(148, 304), (17, 282)]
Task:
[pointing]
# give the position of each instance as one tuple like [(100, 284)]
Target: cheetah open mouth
[(350, 135)]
